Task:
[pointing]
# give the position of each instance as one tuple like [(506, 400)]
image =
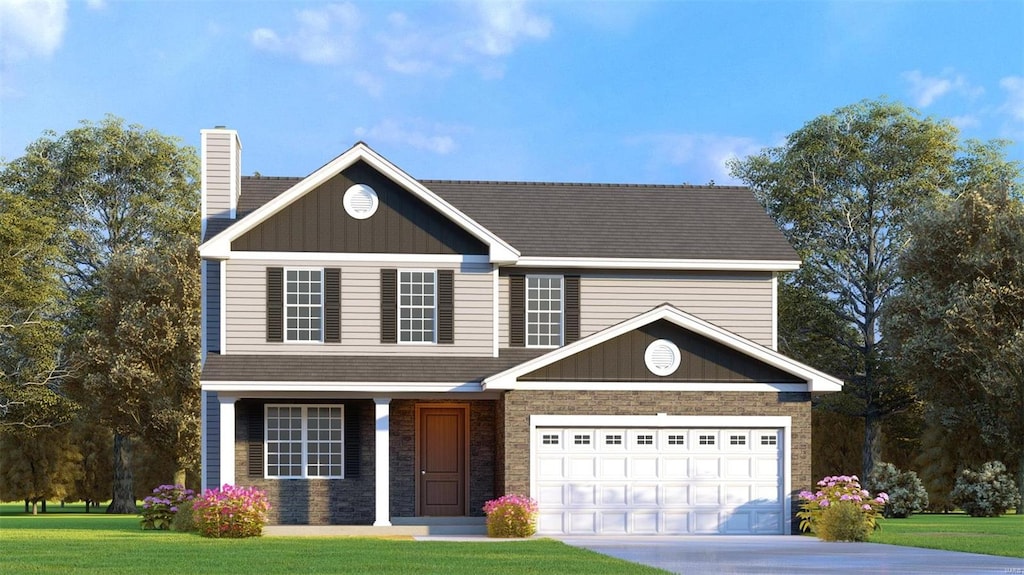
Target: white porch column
[(382, 467), (227, 440)]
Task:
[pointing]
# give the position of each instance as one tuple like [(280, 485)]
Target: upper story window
[(417, 306), (543, 311), (303, 304)]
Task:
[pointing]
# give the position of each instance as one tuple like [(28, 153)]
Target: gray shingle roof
[(597, 220), (347, 368)]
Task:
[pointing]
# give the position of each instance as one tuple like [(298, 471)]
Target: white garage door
[(658, 481)]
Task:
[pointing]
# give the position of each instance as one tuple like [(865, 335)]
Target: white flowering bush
[(988, 492), (840, 510), (907, 494)]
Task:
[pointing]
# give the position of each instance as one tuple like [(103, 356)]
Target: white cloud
[(503, 25), (925, 90), (1014, 105), (32, 27), (965, 121), (704, 156), (96, 4), (416, 136), (324, 36)]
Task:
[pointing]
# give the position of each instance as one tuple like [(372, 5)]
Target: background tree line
[(911, 290), (99, 316)]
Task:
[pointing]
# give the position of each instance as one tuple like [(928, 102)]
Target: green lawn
[(956, 532), (96, 543)]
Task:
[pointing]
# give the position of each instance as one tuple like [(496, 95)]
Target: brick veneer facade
[(518, 406), (350, 501)]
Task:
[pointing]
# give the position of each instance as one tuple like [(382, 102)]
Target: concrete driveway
[(768, 555)]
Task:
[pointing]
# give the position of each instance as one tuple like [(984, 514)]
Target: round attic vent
[(360, 201), (662, 357)]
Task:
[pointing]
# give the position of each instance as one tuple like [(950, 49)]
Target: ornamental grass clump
[(159, 509), (230, 511), (511, 516), (840, 510)]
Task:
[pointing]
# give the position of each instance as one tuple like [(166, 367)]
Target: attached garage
[(621, 475)]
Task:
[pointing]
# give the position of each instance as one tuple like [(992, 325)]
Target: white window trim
[(284, 309), (305, 441), (561, 313), (398, 328)]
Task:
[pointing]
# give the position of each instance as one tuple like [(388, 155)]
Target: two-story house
[(378, 347)]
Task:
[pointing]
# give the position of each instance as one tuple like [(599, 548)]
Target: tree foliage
[(960, 325), (120, 195), (37, 464), (842, 189)]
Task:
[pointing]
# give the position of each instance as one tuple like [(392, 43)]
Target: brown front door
[(441, 455)]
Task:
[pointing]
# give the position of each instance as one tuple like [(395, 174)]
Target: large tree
[(841, 189), (116, 191), (959, 324)]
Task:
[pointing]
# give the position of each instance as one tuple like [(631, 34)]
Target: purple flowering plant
[(231, 512), (158, 509), (511, 516), (818, 509)]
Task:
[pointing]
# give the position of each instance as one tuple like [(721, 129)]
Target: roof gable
[(756, 363), (318, 222), (220, 245)]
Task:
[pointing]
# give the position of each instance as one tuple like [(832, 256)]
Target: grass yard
[(956, 532), (95, 543)]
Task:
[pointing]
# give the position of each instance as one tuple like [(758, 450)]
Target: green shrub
[(843, 521), (511, 516), (159, 509), (840, 491), (183, 518), (906, 492), (231, 512), (988, 492)]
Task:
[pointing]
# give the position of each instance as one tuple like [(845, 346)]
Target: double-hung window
[(303, 304), (417, 306), (544, 311), (305, 441)]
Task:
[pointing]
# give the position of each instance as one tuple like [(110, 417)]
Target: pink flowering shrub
[(159, 509), (840, 510), (230, 511), (511, 516)]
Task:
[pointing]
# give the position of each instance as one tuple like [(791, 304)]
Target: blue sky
[(643, 92)]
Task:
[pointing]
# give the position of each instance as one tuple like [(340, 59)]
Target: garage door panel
[(658, 481)]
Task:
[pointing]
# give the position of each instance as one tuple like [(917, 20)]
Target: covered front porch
[(422, 463)]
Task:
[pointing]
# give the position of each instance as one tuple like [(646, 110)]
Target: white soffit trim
[(663, 420), (339, 386), (219, 247), (659, 264), (320, 257), (817, 381)]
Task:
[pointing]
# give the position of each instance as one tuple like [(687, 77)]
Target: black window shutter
[(445, 306), (353, 413), (332, 305), (571, 320), (389, 306), (517, 310), (275, 304), (255, 448)]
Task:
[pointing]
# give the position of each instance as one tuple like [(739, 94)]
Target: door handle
[(423, 472)]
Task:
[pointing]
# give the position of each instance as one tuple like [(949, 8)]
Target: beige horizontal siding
[(218, 174), (740, 303), (360, 311)]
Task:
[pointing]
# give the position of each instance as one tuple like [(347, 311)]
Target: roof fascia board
[(340, 386), (817, 381), (653, 386), (362, 257), (219, 247), (664, 264)]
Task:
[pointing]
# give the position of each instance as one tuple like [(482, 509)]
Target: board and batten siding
[(738, 302), (360, 310), (217, 161)]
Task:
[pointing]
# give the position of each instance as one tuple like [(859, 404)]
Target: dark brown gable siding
[(317, 222), (622, 359)]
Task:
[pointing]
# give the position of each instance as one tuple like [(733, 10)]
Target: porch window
[(305, 441)]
